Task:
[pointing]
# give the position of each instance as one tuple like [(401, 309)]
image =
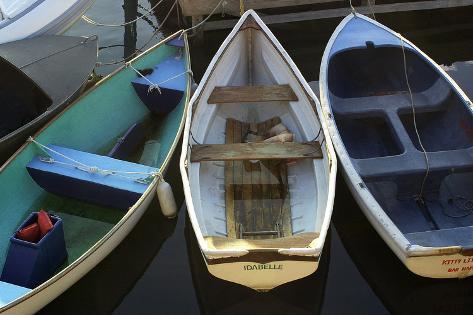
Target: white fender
[(166, 199)]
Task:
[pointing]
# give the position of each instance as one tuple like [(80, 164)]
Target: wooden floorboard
[(257, 195)]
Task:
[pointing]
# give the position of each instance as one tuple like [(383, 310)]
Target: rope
[(352, 8), (115, 62), (187, 30), (153, 85), (242, 7), (372, 11), (427, 171), (86, 39), (150, 11), (92, 169)]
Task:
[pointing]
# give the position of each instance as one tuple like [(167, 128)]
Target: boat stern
[(264, 273)]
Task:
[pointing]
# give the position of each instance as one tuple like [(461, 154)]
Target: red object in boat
[(30, 233), (44, 222)]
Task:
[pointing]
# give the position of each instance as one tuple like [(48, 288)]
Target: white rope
[(352, 8), (372, 10), (156, 86), (91, 169), (150, 11), (427, 162), (187, 30), (115, 62)]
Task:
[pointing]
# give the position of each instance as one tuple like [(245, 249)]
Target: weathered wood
[(205, 7), (248, 94), (256, 192), (333, 13), (256, 151), (295, 241), (229, 187)]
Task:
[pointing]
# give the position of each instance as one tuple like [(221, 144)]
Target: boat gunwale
[(316, 246), (379, 219), (131, 211)]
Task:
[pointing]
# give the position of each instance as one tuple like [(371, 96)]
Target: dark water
[(158, 269)]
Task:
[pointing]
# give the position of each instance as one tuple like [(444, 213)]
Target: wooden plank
[(238, 178), (334, 13), (249, 94), (301, 240), (286, 219), (256, 151), (247, 189), (205, 7), (229, 187)]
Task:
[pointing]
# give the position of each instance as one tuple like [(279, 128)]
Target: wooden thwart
[(256, 151), (258, 93), (295, 241)]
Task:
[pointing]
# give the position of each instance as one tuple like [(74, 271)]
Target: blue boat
[(403, 130)]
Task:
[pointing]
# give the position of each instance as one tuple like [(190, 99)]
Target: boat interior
[(373, 110), (21, 99), (251, 189), (124, 135)]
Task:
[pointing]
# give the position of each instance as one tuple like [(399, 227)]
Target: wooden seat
[(249, 94), (256, 151)]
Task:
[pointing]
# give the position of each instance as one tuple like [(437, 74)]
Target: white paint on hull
[(49, 17), (423, 261)]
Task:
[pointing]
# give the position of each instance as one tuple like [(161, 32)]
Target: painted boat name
[(262, 267)]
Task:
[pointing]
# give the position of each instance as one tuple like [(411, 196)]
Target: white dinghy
[(29, 18), (257, 165), (403, 131)]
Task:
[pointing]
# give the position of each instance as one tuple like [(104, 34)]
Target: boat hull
[(37, 298), (431, 266), (435, 260), (48, 17), (263, 276), (48, 73)]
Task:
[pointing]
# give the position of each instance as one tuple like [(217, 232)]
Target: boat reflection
[(217, 296)]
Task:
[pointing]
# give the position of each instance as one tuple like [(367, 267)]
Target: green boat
[(49, 172)]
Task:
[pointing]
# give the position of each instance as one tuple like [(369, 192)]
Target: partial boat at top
[(40, 76), (403, 131), (29, 18), (257, 165)]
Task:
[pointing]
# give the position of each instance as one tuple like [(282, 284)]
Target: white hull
[(251, 55), (432, 262), (48, 17), (266, 276)]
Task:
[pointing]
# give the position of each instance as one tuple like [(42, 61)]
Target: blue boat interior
[(21, 99), (372, 107)]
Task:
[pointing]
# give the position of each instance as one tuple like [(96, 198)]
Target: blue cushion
[(10, 292), (109, 190)]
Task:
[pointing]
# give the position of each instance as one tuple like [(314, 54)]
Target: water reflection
[(216, 296)]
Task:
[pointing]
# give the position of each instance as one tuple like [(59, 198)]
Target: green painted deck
[(91, 124)]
